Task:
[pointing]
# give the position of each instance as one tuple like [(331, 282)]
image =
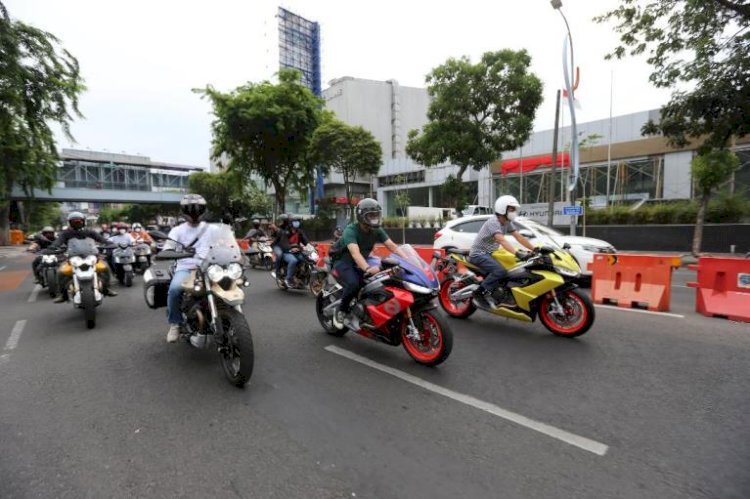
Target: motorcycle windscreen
[(82, 247), (221, 248), (416, 269)]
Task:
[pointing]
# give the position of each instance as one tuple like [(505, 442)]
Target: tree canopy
[(39, 85), (705, 44), (477, 111), (265, 129), (227, 193), (349, 150)]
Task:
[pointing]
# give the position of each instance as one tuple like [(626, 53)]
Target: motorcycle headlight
[(314, 256), (49, 259), (215, 273), (234, 271), (415, 288), (91, 260), (566, 272), (76, 261)]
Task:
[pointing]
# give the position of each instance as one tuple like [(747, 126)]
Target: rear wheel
[(457, 309), (321, 303), (88, 303), (575, 318), (50, 276), (432, 341), (238, 354), (268, 263)]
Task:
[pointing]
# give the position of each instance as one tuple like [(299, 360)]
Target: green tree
[(228, 193), (703, 44), (349, 150), (43, 213), (709, 171), (454, 193), (477, 111), (109, 214), (265, 129), (257, 201), (39, 85)]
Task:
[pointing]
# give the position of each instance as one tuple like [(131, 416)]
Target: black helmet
[(193, 206), (369, 212), (76, 220), (48, 232)]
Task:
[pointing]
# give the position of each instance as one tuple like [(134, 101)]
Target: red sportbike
[(395, 306)]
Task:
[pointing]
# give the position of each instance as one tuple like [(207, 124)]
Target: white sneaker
[(174, 333)]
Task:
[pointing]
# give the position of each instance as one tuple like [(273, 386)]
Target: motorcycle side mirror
[(159, 235), (566, 246)]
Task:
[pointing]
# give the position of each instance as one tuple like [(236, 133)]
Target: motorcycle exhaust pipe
[(464, 293)]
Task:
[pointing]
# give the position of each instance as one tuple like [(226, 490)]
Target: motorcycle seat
[(457, 251)]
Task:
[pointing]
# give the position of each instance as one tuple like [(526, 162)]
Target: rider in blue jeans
[(275, 232), (490, 237), (289, 241)]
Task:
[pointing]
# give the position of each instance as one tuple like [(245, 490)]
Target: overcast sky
[(141, 58)]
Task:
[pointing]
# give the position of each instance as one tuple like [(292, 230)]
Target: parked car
[(475, 209), (461, 233)]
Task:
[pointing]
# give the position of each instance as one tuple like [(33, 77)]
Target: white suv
[(462, 232)]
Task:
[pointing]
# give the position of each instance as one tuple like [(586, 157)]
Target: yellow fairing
[(565, 260), (505, 258), (533, 291), (232, 294), (465, 261), (101, 266)]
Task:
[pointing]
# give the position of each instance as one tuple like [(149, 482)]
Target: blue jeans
[(350, 277), (278, 253), (174, 296), (292, 260), (494, 272)]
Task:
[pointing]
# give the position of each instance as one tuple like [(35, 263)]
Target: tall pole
[(609, 142), (551, 190), (521, 190)]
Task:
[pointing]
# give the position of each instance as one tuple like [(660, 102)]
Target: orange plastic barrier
[(380, 251), (632, 281), (722, 287), (244, 244), (16, 237)]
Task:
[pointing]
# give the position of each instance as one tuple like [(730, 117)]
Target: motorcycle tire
[(436, 338), (573, 300), (51, 278), (128, 280), (88, 303), (268, 263), (453, 309), (327, 322), (239, 359)]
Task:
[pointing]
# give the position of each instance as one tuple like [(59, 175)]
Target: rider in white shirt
[(191, 233)]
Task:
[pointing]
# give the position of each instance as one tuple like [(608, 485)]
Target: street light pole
[(567, 70), (551, 206)]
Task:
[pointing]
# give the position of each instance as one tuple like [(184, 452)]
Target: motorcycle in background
[(395, 306), (123, 258), (260, 254), (142, 255), (212, 301), (307, 274)]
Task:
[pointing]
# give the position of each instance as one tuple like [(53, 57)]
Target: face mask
[(295, 225), (511, 215), (123, 231)]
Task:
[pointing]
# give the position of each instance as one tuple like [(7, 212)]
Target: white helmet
[(502, 204)]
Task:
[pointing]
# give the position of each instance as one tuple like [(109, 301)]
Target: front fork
[(411, 329)]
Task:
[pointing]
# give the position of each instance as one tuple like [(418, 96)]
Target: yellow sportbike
[(542, 286)]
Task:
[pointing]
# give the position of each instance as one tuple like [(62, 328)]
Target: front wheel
[(268, 263), (128, 279), (317, 281), (237, 355), (88, 303), (431, 341), (51, 278), (573, 318)]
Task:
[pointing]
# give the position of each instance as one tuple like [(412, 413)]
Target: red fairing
[(389, 309)]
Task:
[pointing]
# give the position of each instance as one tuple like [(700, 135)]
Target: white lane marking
[(2, 268), (562, 435), (4, 358), (15, 334), (34, 293), (638, 311)]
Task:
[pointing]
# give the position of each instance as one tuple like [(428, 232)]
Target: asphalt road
[(654, 405)]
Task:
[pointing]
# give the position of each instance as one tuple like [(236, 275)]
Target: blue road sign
[(573, 210)]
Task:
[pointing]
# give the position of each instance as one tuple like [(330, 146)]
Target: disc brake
[(557, 308), (411, 329)]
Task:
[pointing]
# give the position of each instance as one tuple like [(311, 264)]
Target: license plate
[(743, 281)]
